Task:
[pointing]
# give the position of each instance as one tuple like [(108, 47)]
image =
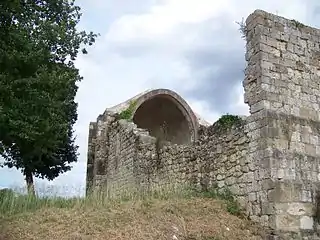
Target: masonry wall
[(225, 164), (113, 150), (124, 156), (91, 157), (168, 165), (217, 159), (282, 90)]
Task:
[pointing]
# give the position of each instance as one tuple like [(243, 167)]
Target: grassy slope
[(191, 218)]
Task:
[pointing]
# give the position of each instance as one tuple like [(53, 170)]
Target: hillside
[(193, 218)]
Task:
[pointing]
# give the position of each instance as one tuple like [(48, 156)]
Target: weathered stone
[(293, 133), (306, 223)]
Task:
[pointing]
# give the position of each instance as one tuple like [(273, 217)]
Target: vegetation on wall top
[(227, 121), (243, 29), (127, 114), (297, 24)]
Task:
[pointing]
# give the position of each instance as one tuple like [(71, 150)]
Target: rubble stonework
[(269, 160)]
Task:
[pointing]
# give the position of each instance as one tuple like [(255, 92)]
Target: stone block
[(285, 192), (306, 223), (286, 222)]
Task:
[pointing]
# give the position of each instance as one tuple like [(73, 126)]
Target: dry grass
[(191, 218)]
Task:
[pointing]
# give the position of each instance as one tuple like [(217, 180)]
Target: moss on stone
[(127, 114)]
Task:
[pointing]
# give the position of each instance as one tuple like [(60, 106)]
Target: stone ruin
[(269, 160)]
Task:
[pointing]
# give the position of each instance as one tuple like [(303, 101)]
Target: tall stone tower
[(282, 88)]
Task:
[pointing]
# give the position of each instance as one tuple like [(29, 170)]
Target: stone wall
[(122, 156), (112, 153), (269, 160), (217, 159), (224, 162), (282, 90)]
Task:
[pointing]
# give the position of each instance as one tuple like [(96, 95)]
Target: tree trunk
[(29, 181)]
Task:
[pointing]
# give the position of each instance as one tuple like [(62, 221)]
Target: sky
[(193, 47)]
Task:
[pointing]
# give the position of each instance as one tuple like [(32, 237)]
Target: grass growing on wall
[(243, 29), (297, 24), (161, 214), (127, 114), (227, 121), (231, 204)]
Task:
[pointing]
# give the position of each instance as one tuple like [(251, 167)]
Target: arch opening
[(161, 116)]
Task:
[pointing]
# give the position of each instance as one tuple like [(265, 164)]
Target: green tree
[(39, 43)]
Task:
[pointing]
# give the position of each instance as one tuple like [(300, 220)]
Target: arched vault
[(164, 114)]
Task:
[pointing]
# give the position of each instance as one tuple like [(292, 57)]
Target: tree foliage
[(39, 42)]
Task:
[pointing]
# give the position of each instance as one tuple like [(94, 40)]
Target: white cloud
[(163, 19), (203, 109), (240, 108)]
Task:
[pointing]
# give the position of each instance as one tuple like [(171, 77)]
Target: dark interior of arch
[(163, 119)]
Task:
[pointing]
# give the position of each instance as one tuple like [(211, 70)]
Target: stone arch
[(166, 114)]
